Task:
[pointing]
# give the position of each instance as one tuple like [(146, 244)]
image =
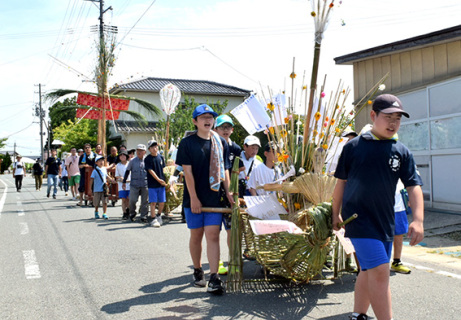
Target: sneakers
[(67, 194), (159, 219), (215, 285), (54, 196), (47, 195), (143, 220), (96, 215), (199, 278), (104, 216), (222, 269), (356, 316), (400, 268), (155, 223), (74, 199)]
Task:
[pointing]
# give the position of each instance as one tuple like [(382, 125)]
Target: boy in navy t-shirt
[(368, 170), (205, 161), (154, 164)]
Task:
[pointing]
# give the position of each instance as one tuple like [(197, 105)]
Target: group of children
[(368, 171)]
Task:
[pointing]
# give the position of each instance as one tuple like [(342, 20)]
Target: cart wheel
[(113, 203)]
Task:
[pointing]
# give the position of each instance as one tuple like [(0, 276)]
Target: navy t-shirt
[(195, 151), (234, 151), (372, 169), (156, 164), (53, 165)]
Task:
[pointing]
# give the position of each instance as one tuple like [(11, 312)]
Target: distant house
[(425, 72), (148, 89)]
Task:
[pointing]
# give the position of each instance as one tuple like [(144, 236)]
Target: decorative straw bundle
[(316, 187), (235, 277)]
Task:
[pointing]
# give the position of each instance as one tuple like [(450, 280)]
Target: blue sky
[(237, 42)]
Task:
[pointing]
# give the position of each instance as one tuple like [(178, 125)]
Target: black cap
[(124, 153), (270, 145), (388, 103)]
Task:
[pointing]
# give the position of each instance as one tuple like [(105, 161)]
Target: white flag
[(251, 115)]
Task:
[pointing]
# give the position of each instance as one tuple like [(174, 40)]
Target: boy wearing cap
[(38, 174), (368, 170), (123, 194), (251, 146), (205, 161), (19, 172), (154, 164), (138, 184), (86, 160), (265, 173), (225, 127), (99, 178)]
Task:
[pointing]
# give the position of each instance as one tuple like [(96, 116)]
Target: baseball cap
[(18, 156), (141, 147), (124, 152), (350, 132), (202, 109), (98, 158), (270, 146), (80, 150), (251, 140), (222, 119), (152, 143), (388, 103)]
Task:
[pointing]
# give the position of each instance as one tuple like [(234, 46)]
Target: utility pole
[(102, 85), (41, 119), (39, 112)]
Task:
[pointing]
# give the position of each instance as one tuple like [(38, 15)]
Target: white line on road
[(449, 274), (31, 268), (20, 212), (24, 227), (2, 200)]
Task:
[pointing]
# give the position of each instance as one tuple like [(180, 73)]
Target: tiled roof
[(133, 126), (186, 86)]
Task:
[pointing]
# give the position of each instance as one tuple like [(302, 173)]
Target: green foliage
[(181, 120), (58, 115), (3, 142), (6, 162), (76, 135)]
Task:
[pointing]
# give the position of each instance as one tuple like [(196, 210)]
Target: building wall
[(407, 70)]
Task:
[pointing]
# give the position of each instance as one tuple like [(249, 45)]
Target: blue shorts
[(401, 223), (200, 220), (371, 252), (123, 194), (157, 195)]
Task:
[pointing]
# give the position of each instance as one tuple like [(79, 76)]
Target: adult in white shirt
[(251, 146), (19, 172), (264, 173)]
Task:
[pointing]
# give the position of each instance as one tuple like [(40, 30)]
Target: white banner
[(251, 115)]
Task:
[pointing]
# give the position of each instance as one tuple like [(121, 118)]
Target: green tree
[(76, 135), (181, 120), (6, 162), (3, 142)]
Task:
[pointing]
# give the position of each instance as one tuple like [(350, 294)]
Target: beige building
[(148, 89), (425, 72)]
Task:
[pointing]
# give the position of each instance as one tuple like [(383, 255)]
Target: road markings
[(449, 274), (21, 212), (2, 200), (442, 273), (31, 268), (24, 228)]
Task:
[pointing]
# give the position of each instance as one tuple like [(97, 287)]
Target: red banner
[(96, 102), (96, 114)]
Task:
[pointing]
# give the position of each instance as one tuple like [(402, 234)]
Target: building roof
[(441, 36), (186, 86), (133, 126)]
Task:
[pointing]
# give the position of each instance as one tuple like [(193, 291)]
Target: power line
[(121, 41)]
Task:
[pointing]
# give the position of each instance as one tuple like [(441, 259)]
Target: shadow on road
[(262, 299)]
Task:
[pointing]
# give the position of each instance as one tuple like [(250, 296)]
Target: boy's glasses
[(225, 127)]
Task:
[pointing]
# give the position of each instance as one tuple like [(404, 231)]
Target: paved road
[(57, 262)]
